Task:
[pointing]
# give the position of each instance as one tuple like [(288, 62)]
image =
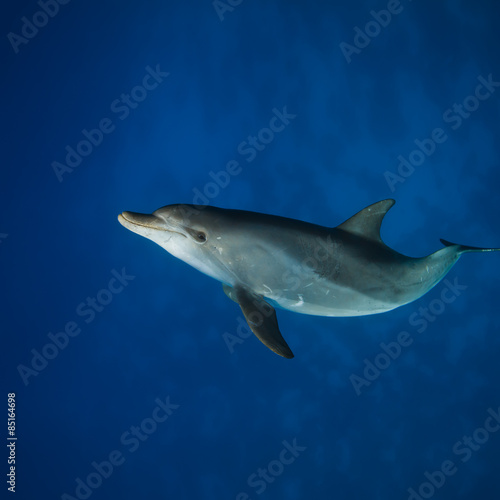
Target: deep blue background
[(162, 336)]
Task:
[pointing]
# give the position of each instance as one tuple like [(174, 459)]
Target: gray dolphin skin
[(266, 261)]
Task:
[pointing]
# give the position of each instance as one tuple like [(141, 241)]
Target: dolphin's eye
[(197, 235), (201, 236)]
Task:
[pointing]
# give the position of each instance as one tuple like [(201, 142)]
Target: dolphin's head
[(174, 227), (184, 231)]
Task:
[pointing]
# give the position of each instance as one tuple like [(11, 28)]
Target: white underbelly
[(350, 303)]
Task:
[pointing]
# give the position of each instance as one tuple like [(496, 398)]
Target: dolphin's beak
[(130, 219), (148, 225)]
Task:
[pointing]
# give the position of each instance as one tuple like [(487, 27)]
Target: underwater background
[(133, 375)]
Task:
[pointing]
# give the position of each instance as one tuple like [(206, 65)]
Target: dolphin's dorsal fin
[(367, 222)]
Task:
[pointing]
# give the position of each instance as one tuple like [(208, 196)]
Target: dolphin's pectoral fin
[(229, 291), (261, 318)]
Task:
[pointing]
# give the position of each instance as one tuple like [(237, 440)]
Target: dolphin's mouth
[(151, 221), (145, 220)]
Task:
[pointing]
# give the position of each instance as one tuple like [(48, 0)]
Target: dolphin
[(267, 261)]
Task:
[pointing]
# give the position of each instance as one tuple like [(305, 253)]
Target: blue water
[(125, 383)]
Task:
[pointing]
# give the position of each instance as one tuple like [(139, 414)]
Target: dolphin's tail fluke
[(465, 248)]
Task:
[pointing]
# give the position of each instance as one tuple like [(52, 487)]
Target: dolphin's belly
[(339, 276), (330, 301), (348, 288)]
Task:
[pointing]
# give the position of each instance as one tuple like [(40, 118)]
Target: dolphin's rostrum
[(266, 261)]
